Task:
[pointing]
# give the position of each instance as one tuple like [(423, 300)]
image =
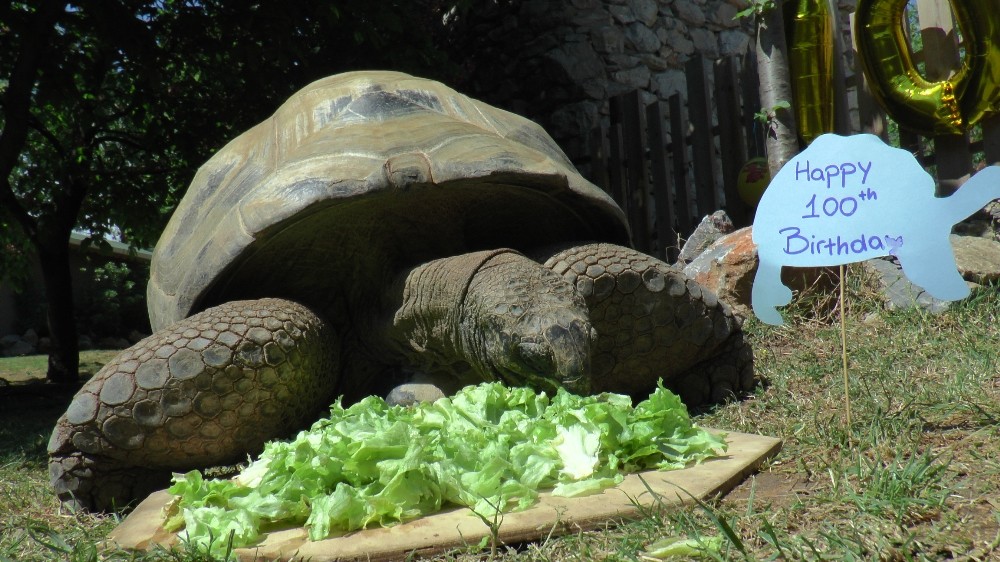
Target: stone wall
[(559, 61)]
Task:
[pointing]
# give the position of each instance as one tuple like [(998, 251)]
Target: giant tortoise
[(380, 232)]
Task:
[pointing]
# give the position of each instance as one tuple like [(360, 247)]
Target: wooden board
[(551, 516)]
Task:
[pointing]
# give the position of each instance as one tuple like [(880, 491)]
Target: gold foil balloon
[(931, 108), (981, 34), (811, 68), (944, 107)]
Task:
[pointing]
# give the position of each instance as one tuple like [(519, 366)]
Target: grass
[(917, 477)]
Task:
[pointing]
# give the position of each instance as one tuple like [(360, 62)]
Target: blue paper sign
[(850, 199)]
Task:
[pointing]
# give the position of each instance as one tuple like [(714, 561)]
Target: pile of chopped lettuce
[(489, 447)]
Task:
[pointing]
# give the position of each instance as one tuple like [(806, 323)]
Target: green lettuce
[(488, 447)]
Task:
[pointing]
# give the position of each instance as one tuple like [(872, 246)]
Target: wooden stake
[(843, 349)]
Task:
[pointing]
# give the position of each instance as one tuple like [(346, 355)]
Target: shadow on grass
[(28, 413)]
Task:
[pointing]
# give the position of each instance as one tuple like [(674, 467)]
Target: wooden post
[(700, 114), (599, 157), (616, 157), (841, 113), (633, 128), (870, 116), (732, 142), (663, 188), (941, 59), (678, 149), (751, 105), (991, 140)]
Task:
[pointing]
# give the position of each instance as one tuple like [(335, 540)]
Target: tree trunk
[(64, 356), (776, 88)]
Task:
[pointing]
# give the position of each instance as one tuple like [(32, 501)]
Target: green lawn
[(917, 477)]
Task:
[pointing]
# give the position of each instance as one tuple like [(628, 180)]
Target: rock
[(9, 340), (644, 10), (578, 61), (18, 347), (655, 62), (669, 83), (44, 345), (622, 14), (898, 292), (705, 42), (637, 77), (725, 16), (690, 13), (30, 336), (729, 265), (642, 38), (574, 120), (608, 39), (733, 42), (85, 343), (711, 228), (978, 259), (135, 336), (727, 268), (679, 43)]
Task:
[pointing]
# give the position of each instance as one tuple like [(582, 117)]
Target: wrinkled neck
[(427, 308)]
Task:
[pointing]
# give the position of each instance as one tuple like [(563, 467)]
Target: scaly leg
[(206, 391)]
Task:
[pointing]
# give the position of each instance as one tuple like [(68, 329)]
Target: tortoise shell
[(357, 177)]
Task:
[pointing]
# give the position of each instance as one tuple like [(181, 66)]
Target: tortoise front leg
[(205, 391), (653, 322)]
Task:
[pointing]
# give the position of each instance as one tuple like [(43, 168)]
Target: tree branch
[(17, 104)]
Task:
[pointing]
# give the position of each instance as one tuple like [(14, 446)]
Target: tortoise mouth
[(339, 257)]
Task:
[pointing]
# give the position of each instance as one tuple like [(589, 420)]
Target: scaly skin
[(652, 322), (203, 392)]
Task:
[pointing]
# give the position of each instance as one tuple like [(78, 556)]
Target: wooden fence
[(669, 163)]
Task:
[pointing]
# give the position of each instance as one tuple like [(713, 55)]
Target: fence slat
[(663, 188), (633, 130), (991, 140), (616, 157), (678, 150), (732, 143), (703, 151), (751, 105), (599, 157)]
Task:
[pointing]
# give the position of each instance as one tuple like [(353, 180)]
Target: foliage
[(755, 8), (108, 106), (14, 251), (117, 298)]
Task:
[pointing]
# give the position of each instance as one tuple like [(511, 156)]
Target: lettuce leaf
[(489, 448)]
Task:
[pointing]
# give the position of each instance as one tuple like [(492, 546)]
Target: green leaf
[(489, 447)]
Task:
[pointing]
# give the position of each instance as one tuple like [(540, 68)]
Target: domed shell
[(356, 177)]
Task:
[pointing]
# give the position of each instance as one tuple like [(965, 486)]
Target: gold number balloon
[(945, 107), (811, 68), (981, 97)]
